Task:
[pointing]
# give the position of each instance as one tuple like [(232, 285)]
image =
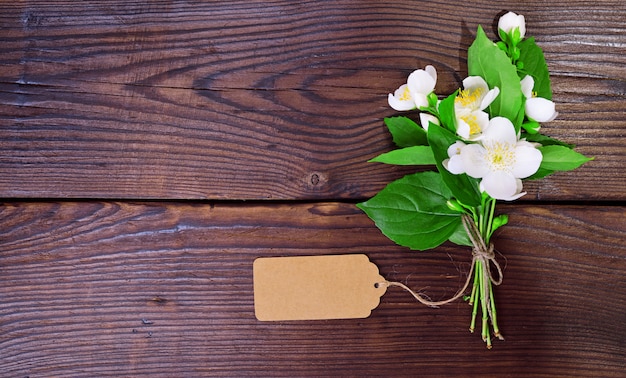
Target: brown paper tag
[(316, 287)]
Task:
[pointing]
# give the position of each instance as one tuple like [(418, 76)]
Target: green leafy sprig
[(477, 139)]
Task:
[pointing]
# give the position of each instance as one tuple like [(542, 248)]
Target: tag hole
[(376, 285)]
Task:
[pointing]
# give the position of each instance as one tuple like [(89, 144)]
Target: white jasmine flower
[(401, 99), (500, 160), (414, 94), (510, 21), (426, 118), (537, 108), (469, 107)]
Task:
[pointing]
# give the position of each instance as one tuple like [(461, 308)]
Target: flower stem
[(482, 289), (474, 299), (491, 205), (494, 321), (484, 304)]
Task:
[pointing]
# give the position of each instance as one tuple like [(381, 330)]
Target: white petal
[(527, 160), (431, 71), (473, 156), (455, 149), (528, 83), (500, 185), (455, 165), (489, 97), (426, 118), (519, 192), (462, 129), (501, 130), (400, 105), (401, 91), (474, 82), (513, 198), (540, 109), (421, 81), (420, 100), (445, 163)]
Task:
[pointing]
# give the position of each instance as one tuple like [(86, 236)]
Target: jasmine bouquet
[(484, 139)]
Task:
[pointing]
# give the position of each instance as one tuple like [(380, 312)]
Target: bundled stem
[(479, 227), (479, 230)]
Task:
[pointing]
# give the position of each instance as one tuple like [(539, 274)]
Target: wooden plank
[(165, 289), (280, 100)]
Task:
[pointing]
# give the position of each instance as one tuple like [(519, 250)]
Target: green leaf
[(416, 155), (560, 158), (519, 120), (545, 140), (499, 221), (486, 59), (460, 237), (541, 173), (535, 65), (463, 188), (447, 114), (412, 211), (405, 132), (531, 127)]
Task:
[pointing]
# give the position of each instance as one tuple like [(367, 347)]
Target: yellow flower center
[(406, 95), (500, 156), (471, 120), (468, 98)]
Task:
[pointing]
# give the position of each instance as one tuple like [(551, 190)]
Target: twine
[(481, 253)]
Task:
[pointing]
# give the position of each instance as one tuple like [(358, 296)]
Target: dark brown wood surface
[(278, 100), (150, 151), (80, 280)]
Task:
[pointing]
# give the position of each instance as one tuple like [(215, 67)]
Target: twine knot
[(482, 252), (487, 254)]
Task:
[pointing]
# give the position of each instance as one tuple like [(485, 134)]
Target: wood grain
[(106, 104), (270, 100), (165, 289)]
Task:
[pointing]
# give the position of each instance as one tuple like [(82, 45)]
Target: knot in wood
[(315, 179)]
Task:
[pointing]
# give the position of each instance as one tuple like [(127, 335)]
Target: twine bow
[(481, 253)]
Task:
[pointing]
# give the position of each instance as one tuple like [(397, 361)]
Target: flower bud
[(454, 205), (510, 21)]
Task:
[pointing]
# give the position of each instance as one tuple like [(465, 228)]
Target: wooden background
[(150, 151)]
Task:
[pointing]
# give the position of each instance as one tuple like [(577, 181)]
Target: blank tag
[(316, 287)]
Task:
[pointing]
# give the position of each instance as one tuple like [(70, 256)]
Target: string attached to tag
[(481, 253)]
